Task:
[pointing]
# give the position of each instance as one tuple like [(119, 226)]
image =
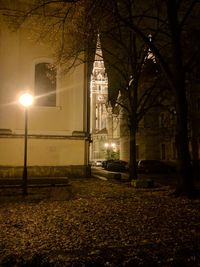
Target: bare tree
[(77, 23), (169, 21), (60, 22), (134, 83)]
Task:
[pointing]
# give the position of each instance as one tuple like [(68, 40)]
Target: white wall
[(42, 152), (18, 57)]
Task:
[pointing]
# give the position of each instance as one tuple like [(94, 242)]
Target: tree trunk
[(132, 163), (185, 176), (194, 140), (184, 170)]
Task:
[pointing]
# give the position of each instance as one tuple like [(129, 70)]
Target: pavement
[(165, 179), (168, 179)]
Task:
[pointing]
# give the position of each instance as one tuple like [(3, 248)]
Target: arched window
[(45, 84)]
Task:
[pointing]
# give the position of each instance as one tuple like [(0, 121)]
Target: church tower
[(101, 118)]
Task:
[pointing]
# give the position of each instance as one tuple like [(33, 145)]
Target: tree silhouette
[(170, 23)]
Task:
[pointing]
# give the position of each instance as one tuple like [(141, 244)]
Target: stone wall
[(73, 171)]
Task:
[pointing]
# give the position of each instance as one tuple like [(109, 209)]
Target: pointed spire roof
[(98, 54)]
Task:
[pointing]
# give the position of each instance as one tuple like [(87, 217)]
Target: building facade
[(58, 142), (157, 130), (104, 125)]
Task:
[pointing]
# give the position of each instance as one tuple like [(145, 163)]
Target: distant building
[(155, 138), (104, 126), (157, 130)]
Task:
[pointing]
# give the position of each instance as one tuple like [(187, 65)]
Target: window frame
[(45, 61)]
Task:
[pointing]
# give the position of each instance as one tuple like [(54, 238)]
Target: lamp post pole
[(25, 100), (24, 182)]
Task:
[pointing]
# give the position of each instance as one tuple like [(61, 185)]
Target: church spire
[(98, 54)]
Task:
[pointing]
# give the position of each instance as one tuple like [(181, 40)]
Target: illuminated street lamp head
[(113, 145), (26, 100)]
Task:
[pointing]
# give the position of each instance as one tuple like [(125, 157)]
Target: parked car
[(117, 166), (106, 162), (98, 163), (154, 166)]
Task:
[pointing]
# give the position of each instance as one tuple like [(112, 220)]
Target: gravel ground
[(98, 223)]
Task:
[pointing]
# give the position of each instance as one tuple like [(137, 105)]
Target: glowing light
[(26, 100), (113, 145)]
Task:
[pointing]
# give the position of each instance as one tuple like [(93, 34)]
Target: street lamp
[(106, 145), (25, 100), (113, 145)]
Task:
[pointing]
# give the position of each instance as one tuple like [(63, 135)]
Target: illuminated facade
[(104, 126), (58, 142)]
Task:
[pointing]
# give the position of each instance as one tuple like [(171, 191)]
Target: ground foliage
[(98, 223)]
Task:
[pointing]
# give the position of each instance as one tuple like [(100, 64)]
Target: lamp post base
[(24, 182)]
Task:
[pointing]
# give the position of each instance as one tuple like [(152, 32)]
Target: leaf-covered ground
[(98, 223)]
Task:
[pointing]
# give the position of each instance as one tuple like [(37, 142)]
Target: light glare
[(26, 100)]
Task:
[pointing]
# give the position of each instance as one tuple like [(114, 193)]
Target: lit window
[(45, 85)]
